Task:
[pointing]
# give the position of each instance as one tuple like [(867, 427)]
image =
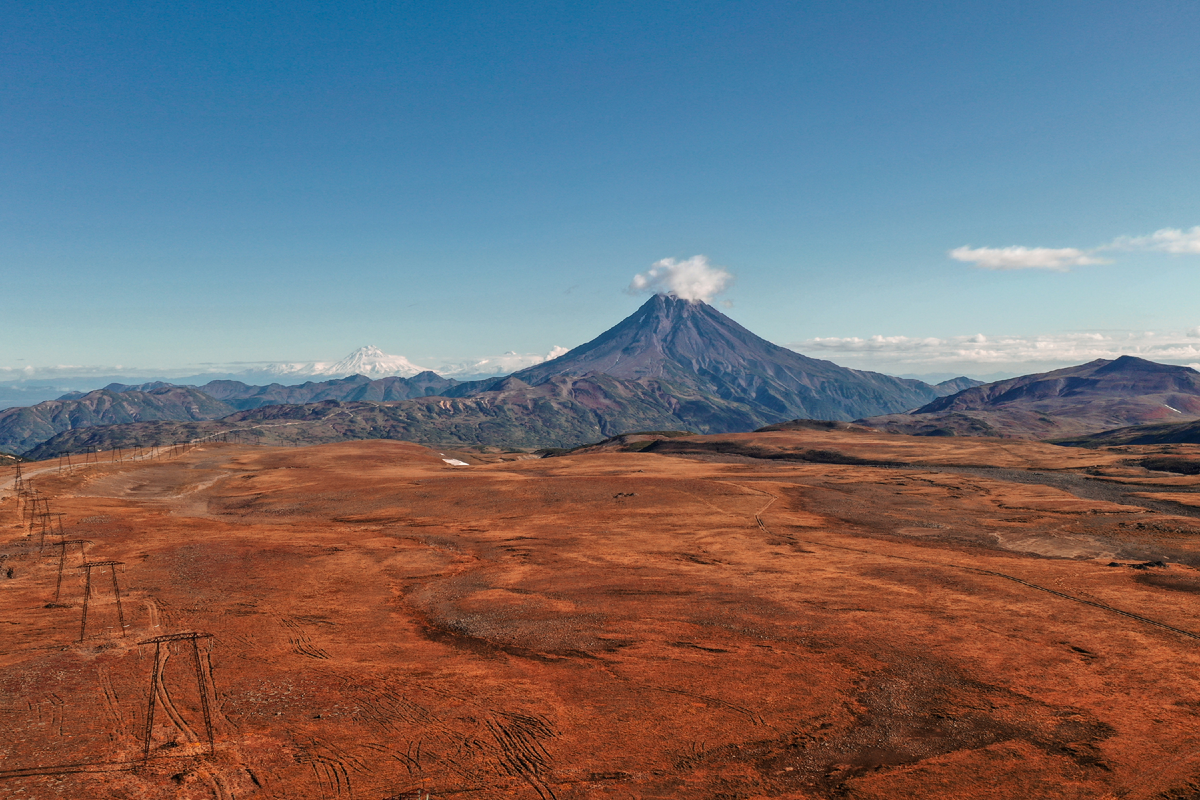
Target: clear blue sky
[(193, 182)]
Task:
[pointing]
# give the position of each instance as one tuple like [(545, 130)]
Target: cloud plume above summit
[(691, 279)]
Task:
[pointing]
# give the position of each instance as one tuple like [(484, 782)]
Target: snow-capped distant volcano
[(369, 361), (374, 363)]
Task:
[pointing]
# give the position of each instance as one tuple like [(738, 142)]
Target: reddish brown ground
[(615, 625)]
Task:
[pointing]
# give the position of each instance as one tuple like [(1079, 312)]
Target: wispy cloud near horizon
[(1175, 241), (1059, 259), (1016, 353), (1166, 240), (505, 364)]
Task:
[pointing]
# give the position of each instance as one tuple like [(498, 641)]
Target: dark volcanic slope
[(22, 428), (562, 412), (691, 344), (1078, 400)]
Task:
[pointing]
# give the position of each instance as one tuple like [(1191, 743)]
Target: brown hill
[(1091, 397)]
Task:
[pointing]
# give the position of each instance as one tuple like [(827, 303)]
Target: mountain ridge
[(1073, 401), (561, 412)]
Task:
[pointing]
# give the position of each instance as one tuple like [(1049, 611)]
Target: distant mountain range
[(563, 411), (25, 427), (673, 363)]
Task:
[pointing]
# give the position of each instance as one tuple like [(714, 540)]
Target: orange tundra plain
[(609, 624)]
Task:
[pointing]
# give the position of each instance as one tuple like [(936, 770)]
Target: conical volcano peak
[(666, 305), (691, 345), (672, 298)]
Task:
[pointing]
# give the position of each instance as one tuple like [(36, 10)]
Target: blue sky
[(189, 182)]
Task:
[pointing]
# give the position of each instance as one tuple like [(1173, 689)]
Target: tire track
[(329, 765), (110, 703), (522, 753), (301, 642), (753, 716), (384, 707), (164, 697), (152, 612)]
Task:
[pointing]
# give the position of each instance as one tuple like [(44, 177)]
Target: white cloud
[(505, 364), (1059, 259), (1020, 354), (1166, 240), (692, 279)]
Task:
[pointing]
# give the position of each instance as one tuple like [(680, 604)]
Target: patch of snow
[(1176, 410), (454, 462)]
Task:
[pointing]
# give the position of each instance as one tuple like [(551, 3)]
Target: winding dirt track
[(386, 625)]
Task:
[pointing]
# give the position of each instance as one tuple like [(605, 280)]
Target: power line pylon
[(62, 560), (87, 594), (156, 684)]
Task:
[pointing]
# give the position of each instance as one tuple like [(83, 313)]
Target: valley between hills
[(815, 611)]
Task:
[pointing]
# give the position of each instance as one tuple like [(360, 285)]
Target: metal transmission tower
[(62, 559), (31, 506), (156, 683), (87, 594), (48, 524)]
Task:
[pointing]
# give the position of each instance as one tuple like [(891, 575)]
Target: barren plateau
[(723, 617)]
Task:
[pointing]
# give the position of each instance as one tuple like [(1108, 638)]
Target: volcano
[(690, 345)]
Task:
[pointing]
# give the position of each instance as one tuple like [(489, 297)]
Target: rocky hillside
[(24, 428), (357, 387)]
